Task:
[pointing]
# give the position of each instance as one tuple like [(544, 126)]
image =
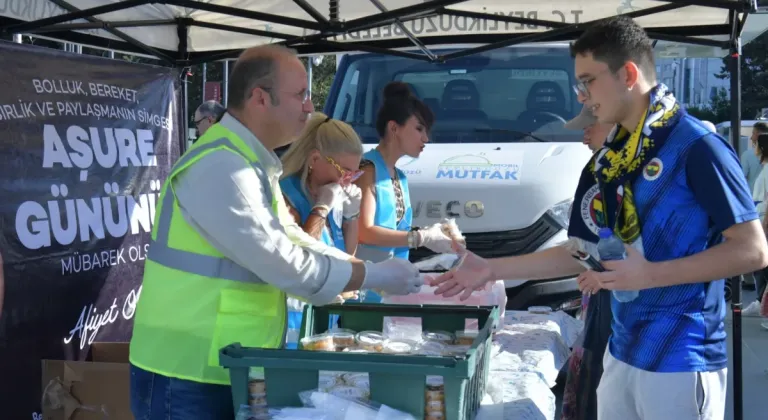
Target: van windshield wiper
[(508, 131)]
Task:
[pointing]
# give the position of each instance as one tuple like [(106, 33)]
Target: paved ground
[(754, 365)]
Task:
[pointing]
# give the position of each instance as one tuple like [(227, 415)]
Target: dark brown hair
[(762, 147), (399, 105), (615, 41), (761, 127)]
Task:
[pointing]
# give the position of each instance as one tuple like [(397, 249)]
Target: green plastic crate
[(397, 381)]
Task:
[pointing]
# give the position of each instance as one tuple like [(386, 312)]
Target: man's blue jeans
[(158, 397)]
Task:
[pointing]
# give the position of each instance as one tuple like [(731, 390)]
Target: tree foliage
[(322, 77), (719, 108), (754, 76)]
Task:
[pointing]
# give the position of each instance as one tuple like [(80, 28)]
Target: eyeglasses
[(347, 176), (197, 122), (303, 94), (582, 86)]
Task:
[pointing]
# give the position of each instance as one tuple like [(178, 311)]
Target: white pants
[(629, 393)]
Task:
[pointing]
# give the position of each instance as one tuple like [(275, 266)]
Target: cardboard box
[(95, 390)]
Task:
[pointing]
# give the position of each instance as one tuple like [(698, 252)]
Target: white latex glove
[(330, 196), (435, 239), (451, 229), (395, 276), (354, 195)]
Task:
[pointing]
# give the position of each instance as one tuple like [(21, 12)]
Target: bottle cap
[(605, 233)]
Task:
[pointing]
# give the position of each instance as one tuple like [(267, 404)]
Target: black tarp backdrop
[(85, 144)]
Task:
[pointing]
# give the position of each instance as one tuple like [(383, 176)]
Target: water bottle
[(611, 248), (244, 413), (294, 327)]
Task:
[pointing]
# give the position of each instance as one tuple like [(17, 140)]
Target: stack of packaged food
[(434, 399), (356, 385), (431, 343), (257, 395)]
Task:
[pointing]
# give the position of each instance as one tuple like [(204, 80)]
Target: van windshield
[(516, 94)]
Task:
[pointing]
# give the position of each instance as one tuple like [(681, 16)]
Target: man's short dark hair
[(211, 109), (761, 127), (615, 41), (256, 66)]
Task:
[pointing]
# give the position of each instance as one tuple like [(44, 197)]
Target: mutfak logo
[(477, 166), (626, 6)]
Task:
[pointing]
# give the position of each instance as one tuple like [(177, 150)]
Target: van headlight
[(561, 212)]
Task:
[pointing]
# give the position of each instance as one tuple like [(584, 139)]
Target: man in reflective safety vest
[(220, 262)]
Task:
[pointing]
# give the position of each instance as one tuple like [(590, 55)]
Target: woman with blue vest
[(318, 170), (385, 230)]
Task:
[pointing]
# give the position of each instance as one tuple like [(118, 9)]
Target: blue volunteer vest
[(291, 187), (332, 236), (386, 210)]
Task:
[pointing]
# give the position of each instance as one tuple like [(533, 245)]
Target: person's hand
[(395, 276), (330, 196), (345, 297), (631, 273), (435, 239), (350, 295), (588, 284), (451, 229), (473, 273), (353, 197)]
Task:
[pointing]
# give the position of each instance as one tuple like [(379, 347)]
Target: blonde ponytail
[(324, 134)]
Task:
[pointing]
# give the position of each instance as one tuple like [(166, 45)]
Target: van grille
[(504, 243)]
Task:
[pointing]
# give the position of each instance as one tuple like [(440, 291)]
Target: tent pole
[(225, 90), (736, 305), (182, 30), (205, 80)]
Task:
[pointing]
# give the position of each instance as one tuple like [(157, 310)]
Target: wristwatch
[(351, 218), (320, 211), (413, 238)]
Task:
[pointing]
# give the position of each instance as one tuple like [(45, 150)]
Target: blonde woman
[(318, 171)]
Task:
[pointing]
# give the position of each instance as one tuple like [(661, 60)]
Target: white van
[(499, 159), (724, 129)]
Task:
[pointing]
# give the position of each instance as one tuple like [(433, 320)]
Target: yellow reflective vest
[(194, 301)]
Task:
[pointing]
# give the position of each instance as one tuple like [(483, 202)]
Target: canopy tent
[(185, 32)]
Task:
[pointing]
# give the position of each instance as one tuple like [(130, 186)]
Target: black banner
[(85, 144)]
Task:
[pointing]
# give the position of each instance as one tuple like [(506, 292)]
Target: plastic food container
[(399, 346), (441, 336), (434, 415), (372, 341), (355, 350), (257, 399), (465, 338), (320, 342), (257, 386), (259, 409), (357, 380), (327, 380), (432, 348), (349, 392), (435, 405), (544, 310), (342, 338), (457, 350)]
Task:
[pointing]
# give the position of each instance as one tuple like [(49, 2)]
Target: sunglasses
[(346, 176)]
